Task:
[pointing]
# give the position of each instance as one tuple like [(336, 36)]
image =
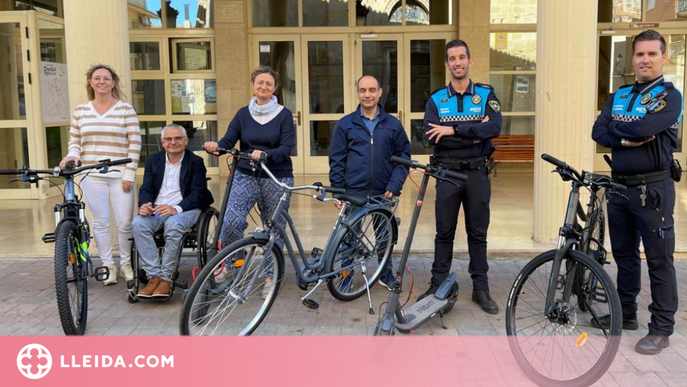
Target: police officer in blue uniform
[(460, 121), (640, 125)]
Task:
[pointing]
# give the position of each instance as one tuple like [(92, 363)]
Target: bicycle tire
[(593, 246), (71, 281), (209, 300), (374, 246), (132, 292), (206, 230), (588, 340)]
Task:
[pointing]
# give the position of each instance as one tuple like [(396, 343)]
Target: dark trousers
[(474, 194), (630, 222)]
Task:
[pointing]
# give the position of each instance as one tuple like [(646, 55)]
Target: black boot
[(629, 324), (483, 299), (433, 286), (652, 345)]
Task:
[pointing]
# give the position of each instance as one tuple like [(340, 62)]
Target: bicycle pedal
[(316, 252), (101, 273), (310, 303), (49, 238)]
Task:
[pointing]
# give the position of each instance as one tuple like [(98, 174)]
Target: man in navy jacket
[(361, 149), (173, 193)]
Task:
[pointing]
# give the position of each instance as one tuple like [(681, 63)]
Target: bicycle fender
[(260, 235)]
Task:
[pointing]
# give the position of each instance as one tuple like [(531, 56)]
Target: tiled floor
[(23, 222)]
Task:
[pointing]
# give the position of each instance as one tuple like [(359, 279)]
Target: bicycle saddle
[(355, 199)]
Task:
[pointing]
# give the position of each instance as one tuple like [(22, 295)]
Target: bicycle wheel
[(587, 289), (207, 226), (362, 251), (561, 348), (227, 296), (71, 280), (133, 285)]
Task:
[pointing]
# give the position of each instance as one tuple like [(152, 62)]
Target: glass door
[(283, 54), (327, 97), (615, 70), (382, 57), (424, 59)]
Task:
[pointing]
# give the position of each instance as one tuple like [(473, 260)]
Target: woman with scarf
[(263, 127)]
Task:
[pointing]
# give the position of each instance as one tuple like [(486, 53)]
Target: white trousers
[(100, 192)]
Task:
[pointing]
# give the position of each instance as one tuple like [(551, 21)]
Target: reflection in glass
[(144, 14), (429, 12), (325, 75), (275, 13), (188, 13), (377, 13), (513, 51), (621, 11), (198, 133), (194, 96), (14, 153), (418, 142), (321, 137), (56, 140), (380, 59), (144, 55), (148, 96), (193, 56), (12, 97), (150, 139), (280, 57), (427, 71), (51, 36), (515, 92), (517, 125), (513, 11), (325, 13)]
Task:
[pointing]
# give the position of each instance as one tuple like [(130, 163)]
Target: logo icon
[(476, 99), (34, 361)]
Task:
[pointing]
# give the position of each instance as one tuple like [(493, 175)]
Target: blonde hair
[(116, 89)]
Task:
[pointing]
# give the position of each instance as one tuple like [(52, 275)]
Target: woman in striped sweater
[(107, 128)]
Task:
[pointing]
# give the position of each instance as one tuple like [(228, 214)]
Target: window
[(170, 13), (144, 55), (192, 55), (513, 12)]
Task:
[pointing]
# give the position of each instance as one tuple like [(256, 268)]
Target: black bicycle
[(554, 309), (72, 237)]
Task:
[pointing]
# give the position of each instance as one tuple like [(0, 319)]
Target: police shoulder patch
[(476, 99), (657, 107), (645, 99), (494, 104)]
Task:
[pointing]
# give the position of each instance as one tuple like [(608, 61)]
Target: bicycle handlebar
[(433, 170), (236, 153), (586, 178), (560, 164), (64, 172)]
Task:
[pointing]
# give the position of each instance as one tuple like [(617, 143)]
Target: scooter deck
[(420, 312)]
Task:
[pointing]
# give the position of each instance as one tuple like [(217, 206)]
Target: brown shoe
[(147, 291), (163, 289)]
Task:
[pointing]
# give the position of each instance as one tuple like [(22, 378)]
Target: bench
[(517, 148)]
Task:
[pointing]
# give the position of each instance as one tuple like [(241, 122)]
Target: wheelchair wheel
[(133, 285), (206, 228)]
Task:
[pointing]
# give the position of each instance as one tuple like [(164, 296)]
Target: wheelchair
[(198, 238)]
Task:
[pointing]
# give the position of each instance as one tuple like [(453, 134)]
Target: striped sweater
[(113, 135)]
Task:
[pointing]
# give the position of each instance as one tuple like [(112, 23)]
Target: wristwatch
[(623, 142), (455, 130)]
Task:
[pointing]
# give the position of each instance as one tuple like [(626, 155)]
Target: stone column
[(96, 31), (566, 89), (473, 28)]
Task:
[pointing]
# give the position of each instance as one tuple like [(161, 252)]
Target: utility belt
[(460, 165), (642, 179)]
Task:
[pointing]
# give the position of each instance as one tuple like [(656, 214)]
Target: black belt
[(475, 163), (643, 179)]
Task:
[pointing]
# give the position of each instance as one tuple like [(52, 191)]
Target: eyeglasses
[(173, 139), (98, 79)]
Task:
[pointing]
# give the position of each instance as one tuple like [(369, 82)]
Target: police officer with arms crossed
[(640, 124), (460, 121)]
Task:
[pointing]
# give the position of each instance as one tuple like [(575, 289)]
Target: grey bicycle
[(234, 292)]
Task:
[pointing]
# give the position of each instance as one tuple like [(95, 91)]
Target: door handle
[(298, 118), (400, 116)]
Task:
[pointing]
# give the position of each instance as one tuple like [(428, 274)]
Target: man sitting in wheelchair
[(173, 194)]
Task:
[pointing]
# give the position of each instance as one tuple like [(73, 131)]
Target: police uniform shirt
[(465, 112), (636, 112)]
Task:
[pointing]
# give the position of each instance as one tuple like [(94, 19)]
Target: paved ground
[(28, 307)]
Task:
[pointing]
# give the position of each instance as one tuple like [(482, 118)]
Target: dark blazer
[(192, 181)]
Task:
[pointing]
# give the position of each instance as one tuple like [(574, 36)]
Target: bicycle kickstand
[(309, 303), (367, 288)]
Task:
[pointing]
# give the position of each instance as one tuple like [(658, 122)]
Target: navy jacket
[(634, 113), (464, 112), (192, 181), (360, 161)]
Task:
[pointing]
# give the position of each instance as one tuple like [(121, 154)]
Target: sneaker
[(126, 272), (112, 278), (149, 289), (387, 279), (269, 283), (163, 289), (629, 324), (433, 287), (220, 275)]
